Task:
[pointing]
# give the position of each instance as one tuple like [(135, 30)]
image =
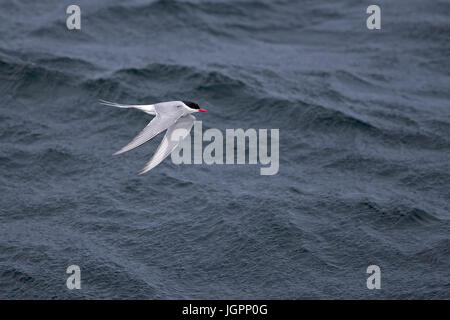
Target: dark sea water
[(364, 119)]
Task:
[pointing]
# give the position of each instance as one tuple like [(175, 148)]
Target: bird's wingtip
[(118, 152), (145, 170)]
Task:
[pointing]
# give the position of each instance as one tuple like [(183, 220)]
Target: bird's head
[(194, 106)]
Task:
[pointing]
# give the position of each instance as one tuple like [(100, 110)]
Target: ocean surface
[(364, 177)]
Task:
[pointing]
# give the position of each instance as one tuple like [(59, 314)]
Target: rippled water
[(364, 119)]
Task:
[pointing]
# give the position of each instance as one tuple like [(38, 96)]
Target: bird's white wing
[(174, 135), (147, 108), (166, 115)]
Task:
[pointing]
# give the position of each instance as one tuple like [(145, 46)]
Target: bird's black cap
[(191, 104)]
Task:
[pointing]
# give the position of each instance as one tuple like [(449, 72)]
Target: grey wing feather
[(161, 122), (174, 135)]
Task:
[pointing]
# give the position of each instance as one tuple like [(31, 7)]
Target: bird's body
[(175, 116)]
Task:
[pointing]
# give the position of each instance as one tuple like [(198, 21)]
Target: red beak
[(203, 110)]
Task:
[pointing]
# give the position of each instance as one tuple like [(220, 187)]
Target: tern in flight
[(175, 116)]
